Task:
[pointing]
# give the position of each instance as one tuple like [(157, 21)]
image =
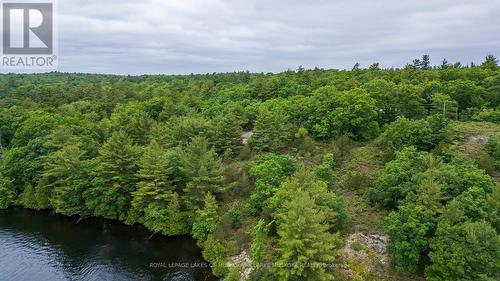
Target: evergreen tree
[(490, 62), (154, 184), (374, 66), (206, 220), (214, 252), (227, 132), (116, 178), (203, 170), (175, 218), (305, 247), (271, 131), (430, 195), (426, 63), (445, 64), (62, 170)]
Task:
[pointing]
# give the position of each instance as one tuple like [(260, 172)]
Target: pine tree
[(227, 132), (206, 220), (426, 63), (175, 218), (490, 62), (271, 131), (445, 64), (430, 195), (203, 170), (154, 184), (214, 252), (111, 195), (61, 171), (305, 247)]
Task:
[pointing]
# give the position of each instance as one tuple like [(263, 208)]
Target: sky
[(202, 36)]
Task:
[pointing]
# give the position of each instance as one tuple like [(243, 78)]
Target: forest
[(282, 168)]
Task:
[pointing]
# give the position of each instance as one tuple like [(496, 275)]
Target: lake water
[(37, 245)]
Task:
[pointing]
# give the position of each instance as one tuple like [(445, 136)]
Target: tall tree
[(203, 170), (62, 172), (154, 190), (426, 63), (305, 247), (271, 131), (175, 217), (490, 62), (206, 220), (227, 132), (116, 178), (356, 115)]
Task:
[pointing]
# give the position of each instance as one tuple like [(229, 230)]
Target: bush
[(488, 115)]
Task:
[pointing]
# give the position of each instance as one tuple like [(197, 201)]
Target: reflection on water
[(40, 246)]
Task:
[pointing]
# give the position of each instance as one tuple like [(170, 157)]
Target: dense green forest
[(284, 167)]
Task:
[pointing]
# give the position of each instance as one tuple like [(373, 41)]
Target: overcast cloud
[(160, 36)]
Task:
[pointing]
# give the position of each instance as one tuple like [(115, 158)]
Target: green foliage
[(271, 131), (259, 242), (7, 193), (324, 171), (305, 143), (466, 93), (206, 220), (72, 143), (214, 252), (268, 175), (227, 132), (424, 134), (116, 178), (63, 173), (203, 170), (419, 185), (488, 115), (28, 197), (493, 149), (356, 115), (394, 101), (305, 246), (444, 105), (131, 119), (333, 205), (175, 218), (153, 189), (490, 62), (396, 181), (410, 229), (468, 251)]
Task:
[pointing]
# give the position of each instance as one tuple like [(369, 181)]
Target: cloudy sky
[(183, 36)]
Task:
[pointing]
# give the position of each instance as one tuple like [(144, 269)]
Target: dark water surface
[(41, 246)]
